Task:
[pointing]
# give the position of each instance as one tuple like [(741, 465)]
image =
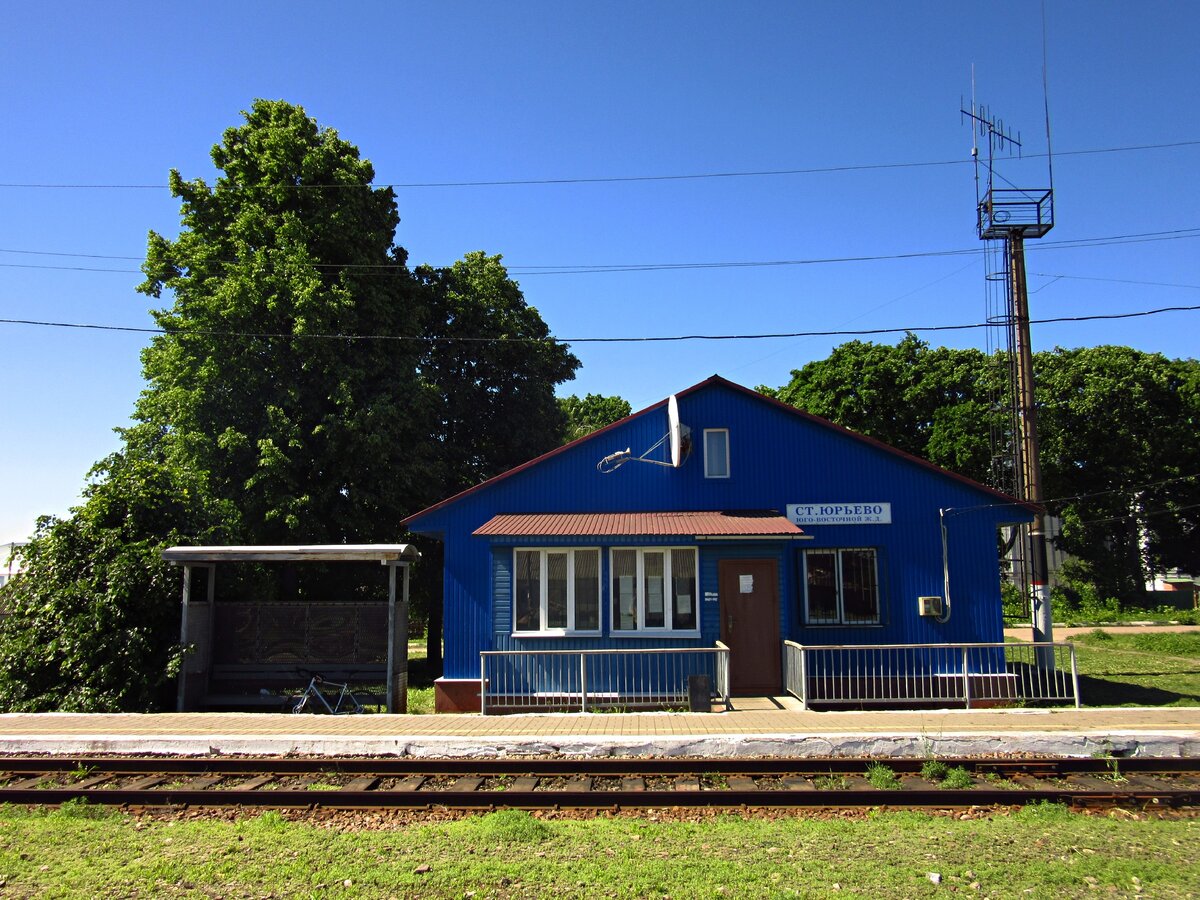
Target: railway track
[(360, 783)]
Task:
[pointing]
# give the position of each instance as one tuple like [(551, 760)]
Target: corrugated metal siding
[(776, 458), (502, 588)]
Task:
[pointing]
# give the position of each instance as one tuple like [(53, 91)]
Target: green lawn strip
[(1151, 669), (1038, 852), (1137, 669), (1183, 646)]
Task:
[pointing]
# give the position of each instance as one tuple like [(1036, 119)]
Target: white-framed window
[(654, 589), (716, 452), (556, 590), (841, 586)]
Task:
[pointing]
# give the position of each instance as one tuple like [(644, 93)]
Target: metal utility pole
[(1010, 215), (1027, 439)]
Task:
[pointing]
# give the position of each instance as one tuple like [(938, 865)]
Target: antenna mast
[(1005, 217)]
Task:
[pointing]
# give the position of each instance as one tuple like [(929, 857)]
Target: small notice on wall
[(746, 584), (711, 596)]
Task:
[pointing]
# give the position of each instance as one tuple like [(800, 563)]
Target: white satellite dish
[(678, 438), (679, 434), (674, 431)]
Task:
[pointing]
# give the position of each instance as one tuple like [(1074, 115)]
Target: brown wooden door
[(749, 590)]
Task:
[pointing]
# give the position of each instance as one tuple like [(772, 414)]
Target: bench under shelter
[(240, 653)]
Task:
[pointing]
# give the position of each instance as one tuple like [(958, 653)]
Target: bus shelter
[(239, 652)]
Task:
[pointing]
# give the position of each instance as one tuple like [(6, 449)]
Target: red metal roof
[(689, 524)]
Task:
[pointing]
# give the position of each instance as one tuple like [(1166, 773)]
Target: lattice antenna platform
[(1005, 212)]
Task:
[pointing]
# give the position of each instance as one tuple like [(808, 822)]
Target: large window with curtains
[(556, 590)]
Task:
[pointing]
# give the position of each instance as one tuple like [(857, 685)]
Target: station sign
[(839, 513)]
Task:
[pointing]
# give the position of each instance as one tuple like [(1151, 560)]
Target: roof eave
[(407, 522), (382, 553)]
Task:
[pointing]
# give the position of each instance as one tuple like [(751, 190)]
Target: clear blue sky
[(118, 94)]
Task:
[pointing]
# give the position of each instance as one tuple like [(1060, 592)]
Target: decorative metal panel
[(346, 633)]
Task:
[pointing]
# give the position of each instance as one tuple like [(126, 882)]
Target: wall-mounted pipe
[(945, 616)]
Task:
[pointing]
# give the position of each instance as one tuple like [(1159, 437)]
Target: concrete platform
[(755, 727)]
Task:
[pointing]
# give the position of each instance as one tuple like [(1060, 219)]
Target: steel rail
[(554, 766), (566, 799), (569, 783)]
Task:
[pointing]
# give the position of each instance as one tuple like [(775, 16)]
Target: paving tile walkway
[(754, 718)]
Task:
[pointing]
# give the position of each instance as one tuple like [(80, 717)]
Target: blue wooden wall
[(777, 456)]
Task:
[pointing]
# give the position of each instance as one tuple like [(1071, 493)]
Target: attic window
[(716, 452)]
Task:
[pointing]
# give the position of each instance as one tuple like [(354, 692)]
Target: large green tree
[(288, 370), (308, 388), (1117, 427)]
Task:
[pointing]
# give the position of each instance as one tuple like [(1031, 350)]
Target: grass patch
[(882, 778), (957, 779), (1041, 851), (420, 680), (508, 826), (420, 700), (934, 770)]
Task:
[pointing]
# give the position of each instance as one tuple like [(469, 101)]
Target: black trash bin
[(699, 693)]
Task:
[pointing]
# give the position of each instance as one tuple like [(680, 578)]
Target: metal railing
[(1006, 211), (931, 674), (596, 680)]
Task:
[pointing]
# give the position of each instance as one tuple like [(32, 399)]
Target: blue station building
[(775, 526)]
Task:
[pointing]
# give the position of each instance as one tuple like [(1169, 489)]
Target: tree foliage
[(935, 403), (492, 366), (1116, 428), (1118, 433), (93, 620), (583, 416), (318, 437)]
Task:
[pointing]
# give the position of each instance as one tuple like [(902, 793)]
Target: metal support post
[(183, 638), (1031, 469), (966, 678)]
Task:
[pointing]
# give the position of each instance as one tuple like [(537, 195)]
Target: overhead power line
[(637, 339), (617, 179), (1126, 490), (1174, 284), (587, 269)]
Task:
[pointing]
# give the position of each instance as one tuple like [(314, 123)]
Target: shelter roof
[(690, 524), (382, 553)]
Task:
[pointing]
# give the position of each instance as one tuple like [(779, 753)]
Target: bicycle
[(321, 696)]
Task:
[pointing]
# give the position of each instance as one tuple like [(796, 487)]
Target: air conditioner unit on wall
[(929, 606)]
